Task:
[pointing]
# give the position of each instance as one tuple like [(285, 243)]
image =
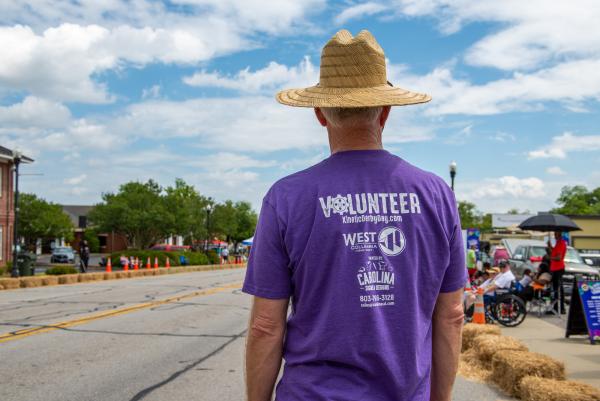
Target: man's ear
[(385, 112), (320, 117)]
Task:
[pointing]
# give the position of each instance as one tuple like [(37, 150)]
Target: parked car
[(591, 259), (530, 254), (63, 254)]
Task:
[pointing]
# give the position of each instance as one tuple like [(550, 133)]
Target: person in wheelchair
[(501, 283)]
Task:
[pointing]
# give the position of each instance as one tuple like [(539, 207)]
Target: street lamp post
[(209, 208), (16, 161), (452, 174)]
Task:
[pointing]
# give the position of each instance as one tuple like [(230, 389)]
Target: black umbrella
[(549, 222)]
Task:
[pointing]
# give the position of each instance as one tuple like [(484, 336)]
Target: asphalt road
[(120, 340)]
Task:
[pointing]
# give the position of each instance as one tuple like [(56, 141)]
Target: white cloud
[(49, 58), (530, 33), (509, 186), (555, 170), (75, 180), (503, 137), (39, 125), (61, 62), (251, 124), (273, 76), (247, 15), (226, 160), (574, 81), (152, 92), (562, 145), (358, 11), (34, 112)]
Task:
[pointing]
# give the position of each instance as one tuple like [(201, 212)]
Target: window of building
[(1, 243), (82, 221)]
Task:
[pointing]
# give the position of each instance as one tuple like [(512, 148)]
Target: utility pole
[(16, 161), (208, 210)]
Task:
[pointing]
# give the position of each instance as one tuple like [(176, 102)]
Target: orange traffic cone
[(108, 265), (148, 263), (156, 262), (168, 264), (135, 264), (126, 266), (479, 313)]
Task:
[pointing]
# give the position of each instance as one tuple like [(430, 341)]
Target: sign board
[(584, 310), (504, 220), (473, 235)]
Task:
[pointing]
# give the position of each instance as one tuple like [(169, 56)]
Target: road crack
[(143, 393)]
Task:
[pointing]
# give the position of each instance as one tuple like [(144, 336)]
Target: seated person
[(480, 277), (539, 281), (500, 284), (526, 279)]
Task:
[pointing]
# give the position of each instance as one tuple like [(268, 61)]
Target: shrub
[(60, 270), (194, 258), (213, 257)]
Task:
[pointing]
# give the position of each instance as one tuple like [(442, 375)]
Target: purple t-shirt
[(363, 242)]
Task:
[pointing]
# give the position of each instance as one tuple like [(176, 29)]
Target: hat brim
[(317, 96)]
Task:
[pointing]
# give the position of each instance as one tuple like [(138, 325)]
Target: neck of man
[(357, 138)]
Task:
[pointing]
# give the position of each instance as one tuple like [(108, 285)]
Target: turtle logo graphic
[(391, 241), (340, 204)]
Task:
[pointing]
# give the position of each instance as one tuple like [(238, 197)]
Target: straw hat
[(353, 74)]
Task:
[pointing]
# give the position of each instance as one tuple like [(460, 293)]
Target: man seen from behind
[(367, 247)]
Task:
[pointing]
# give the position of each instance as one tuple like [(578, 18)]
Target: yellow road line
[(16, 335)]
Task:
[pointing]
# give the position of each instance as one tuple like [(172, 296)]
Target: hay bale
[(136, 273), (162, 271), (10, 283), (29, 282), (49, 280), (148, 272), (472, 330), (85, 277), (486, 345), (68, 278), (509, 367), (539, 389), (109, 276), (471, 367)]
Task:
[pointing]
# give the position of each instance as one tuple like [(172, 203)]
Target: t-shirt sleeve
[(455, 274), (268, 274)]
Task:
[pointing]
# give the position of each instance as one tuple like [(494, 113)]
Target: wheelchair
[(508, 309)]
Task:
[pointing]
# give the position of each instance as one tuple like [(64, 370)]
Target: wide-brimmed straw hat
[(353, 74)]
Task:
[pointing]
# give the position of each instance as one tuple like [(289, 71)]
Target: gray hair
[(351, 116)]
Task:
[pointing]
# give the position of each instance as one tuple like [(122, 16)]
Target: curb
[(48, 280)]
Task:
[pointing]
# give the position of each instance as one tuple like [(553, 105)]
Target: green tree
[(188, 211), (137, 211), (41, 219), (470, 217), (234, 221), (578, 200), (91, 236)]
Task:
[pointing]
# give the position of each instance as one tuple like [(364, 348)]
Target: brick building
[(7, 216)]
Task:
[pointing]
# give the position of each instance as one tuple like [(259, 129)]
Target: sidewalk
[(547, 336)]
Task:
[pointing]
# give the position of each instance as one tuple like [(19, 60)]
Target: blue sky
[(100, 93)]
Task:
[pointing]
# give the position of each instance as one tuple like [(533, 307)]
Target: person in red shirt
[(557, 268)]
